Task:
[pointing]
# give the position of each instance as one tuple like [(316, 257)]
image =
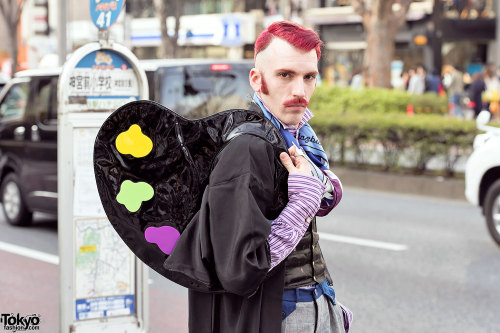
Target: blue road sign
[(105, 12), (232, 31)]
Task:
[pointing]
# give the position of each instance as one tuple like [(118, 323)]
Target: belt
[(292, 296), (307, 295)]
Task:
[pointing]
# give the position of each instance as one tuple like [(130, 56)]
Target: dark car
[(28, 145), (197, 88), (28, 122)]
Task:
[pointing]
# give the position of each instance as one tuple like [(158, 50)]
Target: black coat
[(233, 258)]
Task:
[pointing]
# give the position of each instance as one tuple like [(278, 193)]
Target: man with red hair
[(275, 278), (284, 79)]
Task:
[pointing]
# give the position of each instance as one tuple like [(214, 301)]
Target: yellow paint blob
[(133, 142)]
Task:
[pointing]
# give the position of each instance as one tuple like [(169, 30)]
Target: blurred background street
[(401, 263)]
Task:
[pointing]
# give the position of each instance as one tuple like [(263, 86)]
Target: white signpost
[(103, 286)]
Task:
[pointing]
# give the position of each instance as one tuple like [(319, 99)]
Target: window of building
[(340, 3), (467, 9), (466, 55)]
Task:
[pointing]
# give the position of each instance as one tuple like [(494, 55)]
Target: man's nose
[(298, 88)]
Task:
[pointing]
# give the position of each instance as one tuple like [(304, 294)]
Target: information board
[(103, 284), (102, 80), (104, 265)]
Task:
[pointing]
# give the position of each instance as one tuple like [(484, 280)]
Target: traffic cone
[(409, 109)]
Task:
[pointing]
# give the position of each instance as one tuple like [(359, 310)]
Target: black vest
[(305, 266)]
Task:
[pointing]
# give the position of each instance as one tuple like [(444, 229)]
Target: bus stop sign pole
[(103, 286)]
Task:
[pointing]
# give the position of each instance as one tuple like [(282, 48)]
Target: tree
[(381, 21), (168, 48), (11, 11)]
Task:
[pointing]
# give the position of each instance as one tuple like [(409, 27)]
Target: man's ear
[(255, 78)]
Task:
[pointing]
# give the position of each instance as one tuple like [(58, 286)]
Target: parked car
[(28, 122), (482, 174), (28, 145), (197, 88), (3, 82)]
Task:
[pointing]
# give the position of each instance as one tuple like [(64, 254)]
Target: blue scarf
[(308, 140)]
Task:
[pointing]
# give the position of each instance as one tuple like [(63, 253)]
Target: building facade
[(456, 32)]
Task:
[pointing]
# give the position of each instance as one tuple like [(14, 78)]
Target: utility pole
[(61, 32)]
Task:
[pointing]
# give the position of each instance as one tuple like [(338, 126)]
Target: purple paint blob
[(165, 237)]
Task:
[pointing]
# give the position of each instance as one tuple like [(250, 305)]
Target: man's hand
[(295, 164)]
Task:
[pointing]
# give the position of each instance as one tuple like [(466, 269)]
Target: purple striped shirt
[(289, 227), (304, 198)]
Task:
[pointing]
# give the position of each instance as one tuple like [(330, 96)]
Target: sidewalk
[(31, 287), (405, 184)]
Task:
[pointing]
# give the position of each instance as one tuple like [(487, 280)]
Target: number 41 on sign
[(105, 12)]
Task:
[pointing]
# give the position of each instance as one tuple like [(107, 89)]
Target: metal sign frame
[(68, 122)]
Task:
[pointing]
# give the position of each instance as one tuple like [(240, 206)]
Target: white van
[(482, 174)]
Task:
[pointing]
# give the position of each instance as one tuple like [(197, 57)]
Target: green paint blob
[(132, 194)]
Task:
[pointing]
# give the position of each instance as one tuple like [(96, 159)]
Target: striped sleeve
[(334, 196), (304, 194)]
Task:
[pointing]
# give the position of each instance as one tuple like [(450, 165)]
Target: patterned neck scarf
[(307, 139)]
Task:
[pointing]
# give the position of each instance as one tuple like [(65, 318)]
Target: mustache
[(296, 101)]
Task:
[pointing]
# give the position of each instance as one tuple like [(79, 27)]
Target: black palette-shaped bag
[(152, 165)]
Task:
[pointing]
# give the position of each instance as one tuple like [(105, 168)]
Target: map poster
[(104, 271)]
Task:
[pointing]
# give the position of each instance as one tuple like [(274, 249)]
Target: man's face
[(285, 78)]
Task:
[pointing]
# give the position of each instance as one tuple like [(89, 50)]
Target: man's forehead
[(280, 51)]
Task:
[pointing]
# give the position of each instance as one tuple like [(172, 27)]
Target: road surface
[(400, 263)]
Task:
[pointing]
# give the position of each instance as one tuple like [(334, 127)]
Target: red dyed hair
[(293, 33)]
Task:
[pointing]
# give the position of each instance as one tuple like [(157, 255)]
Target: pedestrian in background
[(433, 82), (475, 90), (417, 82), (401, 83), (492, 93), (491, 79), (453, 82), (356, 82)]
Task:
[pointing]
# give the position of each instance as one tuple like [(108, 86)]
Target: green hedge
[(348, 124), (376, 100)]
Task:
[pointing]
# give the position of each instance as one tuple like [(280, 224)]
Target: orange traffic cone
[(409, 109)]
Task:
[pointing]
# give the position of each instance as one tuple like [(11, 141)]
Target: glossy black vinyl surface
[(178, 168)]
